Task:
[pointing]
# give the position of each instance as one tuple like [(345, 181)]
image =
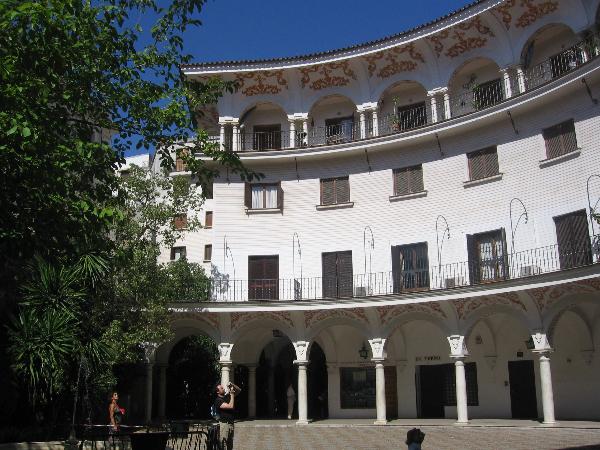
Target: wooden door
[(523, 400), (574, 248), (391, 393), (263, 277), (337, 274)]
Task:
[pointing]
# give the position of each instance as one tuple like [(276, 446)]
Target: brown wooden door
[(410, 267), (263, 277), (488, 259), (391, 392), (337, 274), (574, 248)]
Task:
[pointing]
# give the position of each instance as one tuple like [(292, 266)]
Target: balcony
[(488, 270), (463, 99)]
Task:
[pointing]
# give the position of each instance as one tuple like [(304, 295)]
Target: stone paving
[(439, 436)]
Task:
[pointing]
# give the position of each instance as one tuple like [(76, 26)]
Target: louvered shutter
[(342, 190), (345, 275), (491, 162), (476, 167), (208, 222), (401, 182), (396, 269), (567, 136), (279, 197), (553, 142), (327, 192), (473, 262), (329, 265), (574, 247), (248, 195), (416, 179)]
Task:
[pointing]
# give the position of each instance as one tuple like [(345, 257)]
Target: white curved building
[(422, 243)]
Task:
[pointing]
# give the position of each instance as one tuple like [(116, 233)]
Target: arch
[(333, 321), (318, 101), (326, 342), (585, 328), (253, 104), (489, 310), (263, 322), (385, 88), (568, 302), (470, 65), (183, 328), (449, 72), (399, 321), (490, 348), (526, 43)]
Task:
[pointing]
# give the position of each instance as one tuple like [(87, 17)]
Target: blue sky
[(236, 29)]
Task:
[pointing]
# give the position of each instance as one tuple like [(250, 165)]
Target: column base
[(302, 422), (554, 422), (380, 422), (461, 423)]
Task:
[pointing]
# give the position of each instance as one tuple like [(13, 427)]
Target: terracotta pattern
[(461, 38), (393, 64), (526, 11), (260, 83), (323, 76)]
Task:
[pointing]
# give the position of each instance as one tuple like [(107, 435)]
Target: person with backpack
[(223, 410)]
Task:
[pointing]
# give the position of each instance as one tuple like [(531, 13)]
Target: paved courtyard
[(440, 435)]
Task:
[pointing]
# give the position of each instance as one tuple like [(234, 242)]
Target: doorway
[(523, 400), (317, 384), (429, 381)]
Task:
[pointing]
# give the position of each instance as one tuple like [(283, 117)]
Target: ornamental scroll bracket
[(541, 344), (225, 352)]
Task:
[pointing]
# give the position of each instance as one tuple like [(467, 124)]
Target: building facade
[(422, 243)]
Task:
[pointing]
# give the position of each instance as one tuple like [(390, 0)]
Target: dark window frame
[(481, 156), (183, 252), (208, 223), (414, 273), (180, 221), (407, 120), (566, 139), (410, 170), (335, 181), (265, 288), (208, 252), (350, 398), (248, 195), (265, 135)]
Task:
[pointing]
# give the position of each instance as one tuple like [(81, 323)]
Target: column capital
[(297, 116), (149, 351), (225, 352), (225, 120), (368, 106), (458, 346), (436, 91), (541, 344), (301, 348), (378, 349)]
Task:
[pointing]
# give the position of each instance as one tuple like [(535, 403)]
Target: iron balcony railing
[(475, 97), (422, 277)]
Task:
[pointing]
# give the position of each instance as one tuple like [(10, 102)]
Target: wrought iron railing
[(461, 102), (483, 270), (175, 436)]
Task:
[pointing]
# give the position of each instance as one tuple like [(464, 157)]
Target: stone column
[(148, 408), (520, 79), (252, 391), (447, 109), (222, 135), (433, 102), (292, 131), (236, 137), (378, 352), (506, 82), (363, 125), (458, 351), (305, 131), (301, 361), (302, 393), (225, 361), (225, 372), (543, 349), (375, 119), (162, 390)]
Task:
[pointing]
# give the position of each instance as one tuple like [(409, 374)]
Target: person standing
[(225, 405), (115, 412), (291, 399)]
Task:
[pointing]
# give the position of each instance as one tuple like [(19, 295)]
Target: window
[(125, 173), (339, 130), (410, 267), (335, 191), (573, 240), (180, 165), (488, 94), (177, 253), (180, 221), (267, 137), (357, 387), (408, 180), (207, 252), (263, 277), (560, 139), (337, 274), (483, 163), (411, 116), (208, 219), (488, 258), (264, 196)]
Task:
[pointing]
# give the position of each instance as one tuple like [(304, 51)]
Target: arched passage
[(404, 106), (264, 126), (332, 121), (191, 375), (317, 383), (475, 85)]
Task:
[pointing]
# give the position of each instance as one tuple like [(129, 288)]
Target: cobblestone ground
[(392, 437)]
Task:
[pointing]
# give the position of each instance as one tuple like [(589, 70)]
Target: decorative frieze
[(464, 307), (311, 318), (388, 313), (461, 38), (322, 76), (239, 318), (526, 12), (392, 63), (260, 83)]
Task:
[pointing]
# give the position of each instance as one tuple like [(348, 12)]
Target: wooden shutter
[(327, 191), (569, 140), (574, 247), (342, 190), (476, 166), (263, 277), (208, 252), (279, 196), (345, 275), (248, 195), (396, 269), (560, 139), (491, 162), (180, 221), (329, 266), (401, 182), (473, 259), (416, 179), (483, 163), (208, 221)]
